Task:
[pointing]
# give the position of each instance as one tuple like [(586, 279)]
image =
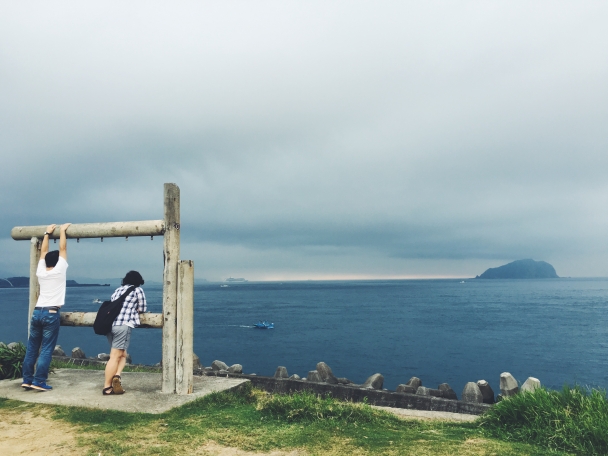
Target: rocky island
[(521, 269)]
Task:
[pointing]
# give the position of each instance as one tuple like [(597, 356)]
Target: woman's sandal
[(107, 391), (117, 386)]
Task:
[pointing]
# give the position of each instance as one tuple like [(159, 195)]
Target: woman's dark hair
[(133, 278), (51, 258)]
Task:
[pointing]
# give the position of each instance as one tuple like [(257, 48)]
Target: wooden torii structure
[(177, 318)]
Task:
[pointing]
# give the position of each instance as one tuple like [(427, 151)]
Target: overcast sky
[(310, 140)]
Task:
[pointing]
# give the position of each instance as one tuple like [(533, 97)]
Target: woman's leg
[(116, 355), (121, 363)]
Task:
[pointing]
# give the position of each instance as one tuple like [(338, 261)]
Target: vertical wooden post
[(185, 327), (171, 258), (34, 285)]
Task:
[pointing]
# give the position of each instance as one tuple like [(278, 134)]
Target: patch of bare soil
[(213, 449), (34, 434)]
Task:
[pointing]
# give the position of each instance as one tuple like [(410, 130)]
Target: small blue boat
[(264, 325)]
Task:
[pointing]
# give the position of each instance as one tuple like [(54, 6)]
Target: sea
[(441, 331)]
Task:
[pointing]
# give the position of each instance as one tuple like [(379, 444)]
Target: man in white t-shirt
[(44, 326)]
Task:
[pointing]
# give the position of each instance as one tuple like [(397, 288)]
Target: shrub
[(574, 419), (11, 361)]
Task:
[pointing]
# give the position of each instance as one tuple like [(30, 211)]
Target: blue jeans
[(44, 330)]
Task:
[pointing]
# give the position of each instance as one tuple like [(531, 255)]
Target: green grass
[(254, 421), (574, 419)]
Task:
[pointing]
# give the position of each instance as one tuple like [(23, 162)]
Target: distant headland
[(24, 282), (521, 269)]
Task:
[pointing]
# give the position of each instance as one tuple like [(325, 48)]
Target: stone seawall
[(356, 394), (343, 392)]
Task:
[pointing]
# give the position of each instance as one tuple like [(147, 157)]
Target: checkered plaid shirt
[(135, 303)]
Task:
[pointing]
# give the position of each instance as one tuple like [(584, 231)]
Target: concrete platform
[(82, 388)]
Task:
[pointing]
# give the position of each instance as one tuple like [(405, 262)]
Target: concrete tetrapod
[(472, 393), (406, 389), (414, 382), (281, 372), (424, 391), (78, 353), (219, 365), (326, 374), (447, 392), (376, 381), (486, 391), (508, 385), (530, 385), (235, 369), (313, 376)]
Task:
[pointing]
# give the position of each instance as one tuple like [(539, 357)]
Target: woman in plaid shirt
[(119, 338)]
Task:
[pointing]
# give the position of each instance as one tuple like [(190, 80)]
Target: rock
[(345, 381), (235, 369), (313, 376), (447, 392), (472, 393), (103, 357), (376, 382), (12, 345), (508, 385), (78, 353), (281, 372), (294, 377), (326, 374), (158, 365), (486, 391), (3, 345), (223, 372), (403, 388), (219, 365), (129, 359), (208, 369), (196, 362), (414, 382), (530, 385), (58, 351), (498, 398)]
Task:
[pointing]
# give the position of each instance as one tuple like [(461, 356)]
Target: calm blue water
[(438, 330)]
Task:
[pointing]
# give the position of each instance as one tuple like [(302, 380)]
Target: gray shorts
[(120, 337)]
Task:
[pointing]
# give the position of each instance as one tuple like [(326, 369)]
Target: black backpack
[(107, 313)]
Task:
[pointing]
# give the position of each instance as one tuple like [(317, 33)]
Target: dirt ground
[(34, 434)]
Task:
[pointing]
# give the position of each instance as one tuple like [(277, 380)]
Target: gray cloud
[(326, 139)]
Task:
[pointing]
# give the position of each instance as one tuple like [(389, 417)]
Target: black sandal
[(105, 391)]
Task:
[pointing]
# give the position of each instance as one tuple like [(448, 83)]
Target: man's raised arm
[(44, 248), (63, 242)]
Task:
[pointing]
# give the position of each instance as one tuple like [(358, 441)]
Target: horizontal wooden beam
[(94, 230), (148, 320)]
